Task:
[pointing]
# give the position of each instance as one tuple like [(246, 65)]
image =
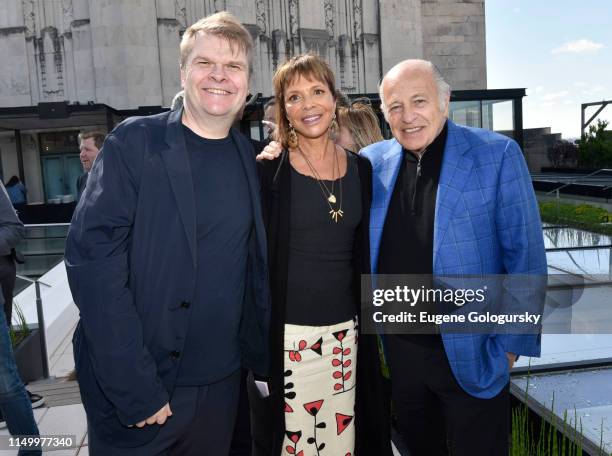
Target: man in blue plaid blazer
[(449, 200)]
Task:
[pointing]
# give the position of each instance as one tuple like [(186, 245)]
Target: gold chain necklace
[(328, 195)]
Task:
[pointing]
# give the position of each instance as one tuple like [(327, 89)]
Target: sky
[(559, 50)]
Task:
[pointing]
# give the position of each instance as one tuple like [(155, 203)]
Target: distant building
[(537, 143), (124, 54)]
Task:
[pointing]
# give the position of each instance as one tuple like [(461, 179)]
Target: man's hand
[(160, 417), (271, 151), (511, 360)]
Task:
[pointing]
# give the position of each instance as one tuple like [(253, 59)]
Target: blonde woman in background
[(359, 126)]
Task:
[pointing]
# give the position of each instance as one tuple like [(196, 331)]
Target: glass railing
[(42, 249)]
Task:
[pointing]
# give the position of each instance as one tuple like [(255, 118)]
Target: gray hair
[(443, 87)]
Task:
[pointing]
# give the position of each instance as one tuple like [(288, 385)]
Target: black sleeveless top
[(320, 289)]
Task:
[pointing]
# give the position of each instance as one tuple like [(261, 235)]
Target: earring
[(333, 128), (292, 139)]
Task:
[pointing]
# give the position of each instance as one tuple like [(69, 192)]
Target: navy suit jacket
[(486, 222), (80, 184), (131, 263)]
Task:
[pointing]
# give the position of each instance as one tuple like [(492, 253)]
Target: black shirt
[(406, 246), (320, 289), (224, 218)]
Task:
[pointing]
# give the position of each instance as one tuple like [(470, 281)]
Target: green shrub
[(552, 440), (583, 216), (22, 330), (595, 147)]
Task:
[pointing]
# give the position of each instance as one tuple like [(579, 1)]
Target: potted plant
[(25, 340)]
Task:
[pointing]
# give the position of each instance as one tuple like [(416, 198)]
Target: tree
[(563, 154), (595, 147)]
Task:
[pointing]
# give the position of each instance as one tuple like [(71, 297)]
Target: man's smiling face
[(215, 78), (413, 106)]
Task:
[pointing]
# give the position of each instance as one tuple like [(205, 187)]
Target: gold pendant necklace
[(336, 214), (328, 195)]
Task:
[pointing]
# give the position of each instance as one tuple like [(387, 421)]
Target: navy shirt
[(224, 218)]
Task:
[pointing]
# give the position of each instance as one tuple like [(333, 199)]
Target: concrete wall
[(401, 31), (537, 142), (454, 39)]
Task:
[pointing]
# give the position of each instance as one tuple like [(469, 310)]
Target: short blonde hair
[(223, 25), (361, 122), (310, 66)]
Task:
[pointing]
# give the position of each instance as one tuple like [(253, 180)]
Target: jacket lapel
[(384, 176), (247, 155), (179, 171), (455, 173)]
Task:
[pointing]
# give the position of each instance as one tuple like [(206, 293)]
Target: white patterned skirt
[(320, 367)]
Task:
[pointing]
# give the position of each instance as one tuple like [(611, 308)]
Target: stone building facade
[(124, 53)]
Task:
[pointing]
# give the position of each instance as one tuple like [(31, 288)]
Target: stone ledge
[(79, 23), (6, 31)]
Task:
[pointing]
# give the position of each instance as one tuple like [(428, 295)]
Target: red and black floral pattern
[(319, 390), (343, 362), (302, 345)]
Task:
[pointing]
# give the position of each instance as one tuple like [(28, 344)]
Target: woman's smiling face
[(310, 106)]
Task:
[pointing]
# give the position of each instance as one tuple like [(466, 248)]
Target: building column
[(19, 150)]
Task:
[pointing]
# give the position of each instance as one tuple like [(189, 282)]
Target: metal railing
[(557, 190), (577, 181), (43, 249), (41, 324)]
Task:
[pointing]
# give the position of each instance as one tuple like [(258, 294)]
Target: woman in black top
[(326, 387)]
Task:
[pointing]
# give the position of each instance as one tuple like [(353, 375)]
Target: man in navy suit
[(166, 259), (450, 200)]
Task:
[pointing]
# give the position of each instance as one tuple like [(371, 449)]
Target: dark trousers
[(202, 423), (241, 441), (263, 424), (7, 282), (434, 414), (15, 404)]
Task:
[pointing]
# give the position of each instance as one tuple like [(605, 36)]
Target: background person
[(316, 199), (90, 143), (342, 99), (15, 405), (8, 269), (359, 126), (16, 191), (269, 119)]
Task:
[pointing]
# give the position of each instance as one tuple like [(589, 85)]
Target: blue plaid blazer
[(486, 222)]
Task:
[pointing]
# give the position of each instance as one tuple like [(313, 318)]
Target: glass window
[(60, 163), (466, 113), (59, 142), (498, 115)]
